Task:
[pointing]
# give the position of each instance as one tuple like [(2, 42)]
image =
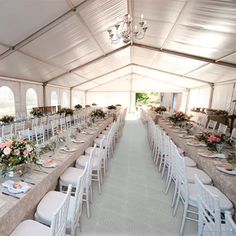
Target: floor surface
[(133, 201)]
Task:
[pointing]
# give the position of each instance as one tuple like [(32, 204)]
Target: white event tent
[(61, 49)]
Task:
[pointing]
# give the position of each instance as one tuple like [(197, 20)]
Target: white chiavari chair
[(57, 224), (233, 135), (230, 226), (222, 128), (7, 131), (70, 176), (53, 198), (211, 126)]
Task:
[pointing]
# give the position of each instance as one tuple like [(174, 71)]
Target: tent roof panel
[(28, 16), (22, 66)]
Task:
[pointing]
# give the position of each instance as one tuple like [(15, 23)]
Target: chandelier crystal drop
[(125, 30)]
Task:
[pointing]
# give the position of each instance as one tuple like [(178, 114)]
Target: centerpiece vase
[(219, 147)]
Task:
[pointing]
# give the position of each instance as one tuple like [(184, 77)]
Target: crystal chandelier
[(126, 31)]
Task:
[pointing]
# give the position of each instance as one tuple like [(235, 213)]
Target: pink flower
[(218, 140), (2, 146), (7, 151), (17, 152), (9, 143), (26, 152), (21, 140)]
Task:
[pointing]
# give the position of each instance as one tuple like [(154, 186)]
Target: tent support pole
[(130, 94), (187, 100), (44, 94), (71, 97), (211, 96)]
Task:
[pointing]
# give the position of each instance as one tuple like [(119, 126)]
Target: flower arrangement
[(118, 105), (78, 106), (160, 109), (179, 117), (111, 107), (16, 151), (66, 111), (98, 113), (94, 104), (215, 139), (203, 137), (36, 112), (87, 106), (7, 119)]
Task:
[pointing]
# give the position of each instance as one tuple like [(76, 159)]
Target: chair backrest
[(230, 226), (203, 122), (62, 123), (233, 135), (180, 170), (25, 134), (39, 134), (209, 219), (222, 128), (211, 126), (59, 218), (7, 131), (19, 126), (90, 166), (77, 210), (68, 122), (54, 126)]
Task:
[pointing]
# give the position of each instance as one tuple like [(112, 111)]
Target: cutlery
[(28, 182), (42, 171), (11, 195)]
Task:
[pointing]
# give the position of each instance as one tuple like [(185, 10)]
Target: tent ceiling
[(188, 43)]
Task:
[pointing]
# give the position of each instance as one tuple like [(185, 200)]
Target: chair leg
[(174, 196), (87, 206), (176, 204), (183, 219)]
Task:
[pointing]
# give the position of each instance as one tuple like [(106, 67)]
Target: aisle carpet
[(133, 201)]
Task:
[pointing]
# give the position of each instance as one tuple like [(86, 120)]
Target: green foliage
[(78, 106), (7, 119), (142, 98), (67, 111), (111, 107)]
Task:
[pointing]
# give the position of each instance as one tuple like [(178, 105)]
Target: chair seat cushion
[(47, 206), (89, 150), (225, 203), (30, 227), (190, 172), (82, 160), (189, 162), (70, 176)]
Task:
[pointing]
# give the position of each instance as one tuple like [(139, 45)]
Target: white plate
[(65, 149), (222, 169), (214, 155), (9, 185), (197, 144), (77, 141), (186, 136), (48, 164)]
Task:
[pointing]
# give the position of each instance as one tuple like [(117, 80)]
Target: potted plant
[(78, 107), (7, 119), (36, 112), (111, 107)]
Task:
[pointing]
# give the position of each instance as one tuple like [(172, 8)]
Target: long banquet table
[(13, 211), (225, 182)]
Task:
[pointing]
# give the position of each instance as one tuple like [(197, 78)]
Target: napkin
[(9, 185)]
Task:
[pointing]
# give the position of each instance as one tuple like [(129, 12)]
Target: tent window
[(64, 100), (31, 99), (54, 99), (7, 101)]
